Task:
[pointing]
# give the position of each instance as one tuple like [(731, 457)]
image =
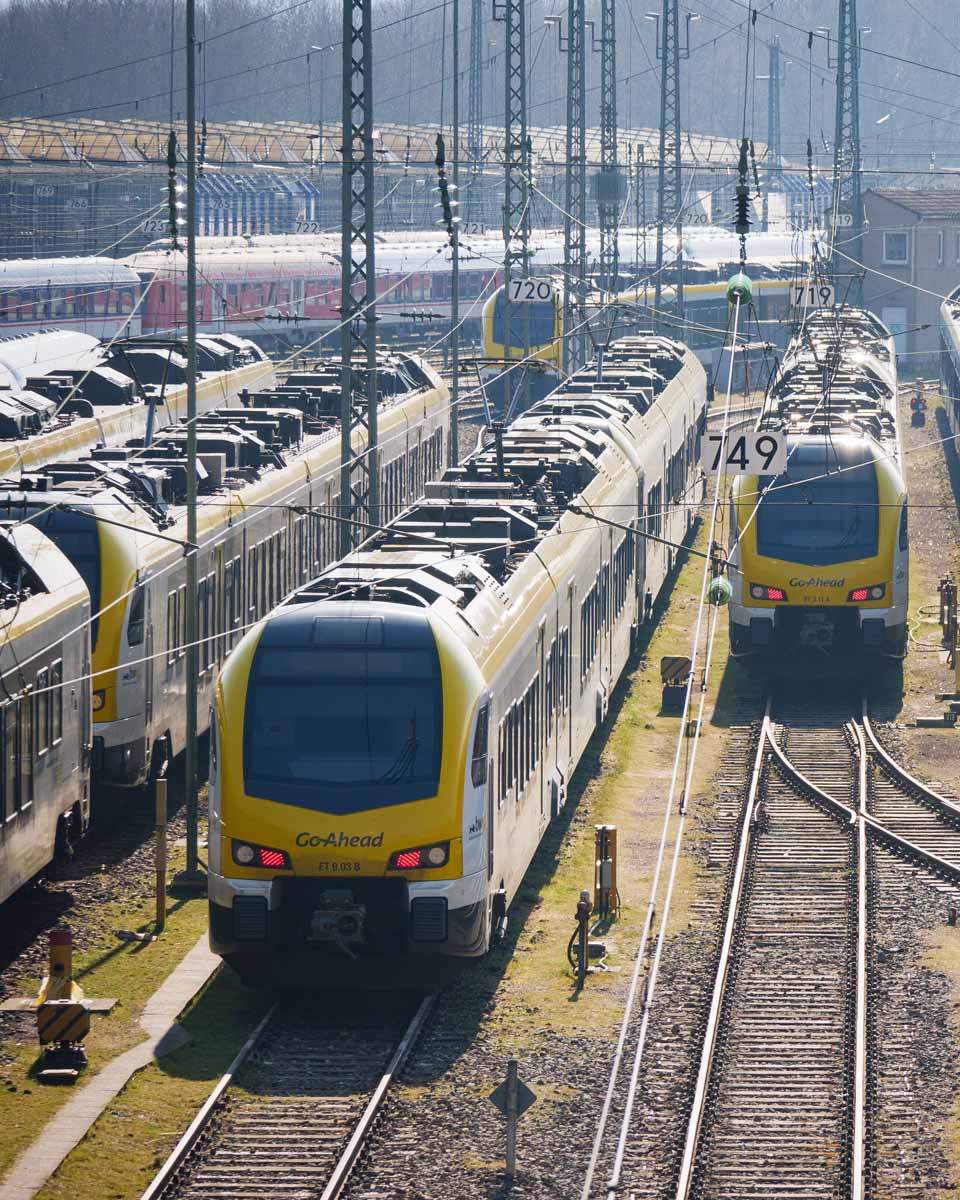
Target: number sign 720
[(749, 453)]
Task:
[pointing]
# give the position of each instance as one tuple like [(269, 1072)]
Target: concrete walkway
[(71, 1123)]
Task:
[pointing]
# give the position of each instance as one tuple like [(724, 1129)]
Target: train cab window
[(904, 535), (478, 760), (56, 702), (135, 617), (344, 715), (824, 508), (543, 323)]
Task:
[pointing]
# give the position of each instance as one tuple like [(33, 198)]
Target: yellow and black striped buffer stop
[(62, 1021), (674, 668)]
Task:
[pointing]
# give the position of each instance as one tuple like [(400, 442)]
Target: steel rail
[(166, 1173), (858, 1148), (361, 1134), (358, 1139), (902, 776), (893, 841), (697, 1112)]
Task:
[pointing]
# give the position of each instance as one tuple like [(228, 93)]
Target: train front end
[(819, 554), (348, 793)]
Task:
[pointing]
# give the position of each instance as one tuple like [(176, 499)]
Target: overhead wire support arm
[(359, 474)]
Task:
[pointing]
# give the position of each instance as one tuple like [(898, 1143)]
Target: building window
[(895, 249), (940, 248)]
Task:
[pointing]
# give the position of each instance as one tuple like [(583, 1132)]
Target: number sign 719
[(749, 453)]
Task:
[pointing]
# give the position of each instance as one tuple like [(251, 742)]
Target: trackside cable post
[(160, 796)]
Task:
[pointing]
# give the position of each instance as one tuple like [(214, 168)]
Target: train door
[(540, 713), (148, 661), (641, 553), (568, 669)]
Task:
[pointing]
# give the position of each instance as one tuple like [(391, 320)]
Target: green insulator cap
[(719, 591), (739, 288)]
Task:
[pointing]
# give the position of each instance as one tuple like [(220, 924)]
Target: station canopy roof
[(85, 140)]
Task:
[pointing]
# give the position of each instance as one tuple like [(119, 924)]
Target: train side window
[(42, 711), (8, 735), (478, 763), (203, 621), (56, 701), (172, 626), (135, 619), (27, 752), (182, 621)]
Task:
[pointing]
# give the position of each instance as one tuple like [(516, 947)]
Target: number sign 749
[(749, 453)]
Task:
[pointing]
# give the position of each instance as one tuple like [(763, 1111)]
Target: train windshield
[(343, 728), (543, 319), (824, 509)]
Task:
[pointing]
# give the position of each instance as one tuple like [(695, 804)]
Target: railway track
[(294, 1111), (802, 1084)]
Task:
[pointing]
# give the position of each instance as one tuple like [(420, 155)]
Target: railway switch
[(63, 1015)]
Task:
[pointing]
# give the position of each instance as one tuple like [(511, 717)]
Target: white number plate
[(812, 295), (842, 221), (473, 228), (744, 454), (530, 291)]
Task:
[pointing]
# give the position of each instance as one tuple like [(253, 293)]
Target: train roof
[(838, 377), (30, 566), (236, 447), (427, 251), (476, 526), (39, 272)]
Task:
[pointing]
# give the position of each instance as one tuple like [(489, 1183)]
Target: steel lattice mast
[(847, 207), (669, 177), (774, 153), (475, 98), (609, 195), (575, 190), (359, 476), (516, 156)]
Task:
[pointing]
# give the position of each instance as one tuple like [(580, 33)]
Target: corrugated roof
[(923, 202)]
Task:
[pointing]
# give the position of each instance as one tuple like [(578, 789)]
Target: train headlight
[(761, 591), (420, 857), (99, 699), (246, 855), (859, 595)]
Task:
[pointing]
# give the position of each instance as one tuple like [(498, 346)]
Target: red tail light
[(760, 591), (247, 854), (272, 858), (776, 594), (875, 592), (420, 857)]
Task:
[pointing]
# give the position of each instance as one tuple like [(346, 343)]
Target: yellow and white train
[(392, 742), (45, 705), (269, 520), (820, 552)]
